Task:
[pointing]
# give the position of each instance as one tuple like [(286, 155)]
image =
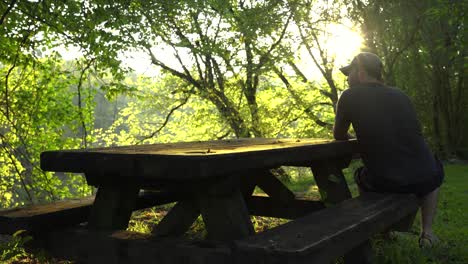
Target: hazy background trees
[(219, 69)]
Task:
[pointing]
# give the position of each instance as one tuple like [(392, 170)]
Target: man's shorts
[(366, 183)]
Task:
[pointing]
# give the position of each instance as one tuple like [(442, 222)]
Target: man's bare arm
[(340, 130), (342, 120)]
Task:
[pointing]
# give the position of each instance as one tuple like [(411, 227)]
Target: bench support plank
[(273, 186), (406, 223), (178, 220)]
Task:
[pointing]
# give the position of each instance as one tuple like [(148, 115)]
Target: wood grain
[(327, 234), (192, 160)]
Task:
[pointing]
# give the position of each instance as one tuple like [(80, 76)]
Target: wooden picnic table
[(214, 178)]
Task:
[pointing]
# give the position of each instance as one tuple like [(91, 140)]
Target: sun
[(342, 43)]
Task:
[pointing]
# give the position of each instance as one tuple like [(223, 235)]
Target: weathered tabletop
[(195, 160), (217, 177)]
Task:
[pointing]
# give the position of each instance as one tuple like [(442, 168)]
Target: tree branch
[(174, 72), (299, 101), (13, 162), (7, 77), (80, 106), (12, 4), (298, 71), (166, 120), (265, 57), (27, 157)]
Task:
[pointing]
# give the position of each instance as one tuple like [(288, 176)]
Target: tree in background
[(312, 20), (228, 69), (44, 104), (221, 49), (227, 47), (222, 52)]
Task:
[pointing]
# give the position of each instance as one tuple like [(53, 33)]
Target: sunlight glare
[(343, 43)]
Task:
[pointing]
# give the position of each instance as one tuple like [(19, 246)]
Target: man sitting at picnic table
[(395, 156)]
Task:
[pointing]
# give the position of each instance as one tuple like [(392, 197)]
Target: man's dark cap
[(369, 61)]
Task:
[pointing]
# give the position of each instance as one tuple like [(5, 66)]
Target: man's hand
[(341, 132)]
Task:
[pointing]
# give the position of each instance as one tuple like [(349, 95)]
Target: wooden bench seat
[(44, 217), (91, 247), (327, 234)]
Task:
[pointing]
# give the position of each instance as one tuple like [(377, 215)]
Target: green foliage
[(228, 69), (158, 113), (223, 80), (14, 249), (37, 114)]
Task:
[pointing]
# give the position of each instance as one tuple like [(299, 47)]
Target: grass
[(450, 225)]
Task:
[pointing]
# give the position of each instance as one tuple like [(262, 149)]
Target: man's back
[(392, 146), (395, 156)]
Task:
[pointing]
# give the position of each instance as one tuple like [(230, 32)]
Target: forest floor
[(450, 225)]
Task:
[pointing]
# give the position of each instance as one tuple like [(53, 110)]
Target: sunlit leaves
[(219, 60), (37, 114)]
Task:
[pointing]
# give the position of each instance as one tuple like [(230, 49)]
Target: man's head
[(366, 67)]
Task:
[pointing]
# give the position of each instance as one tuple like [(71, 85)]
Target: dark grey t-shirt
[(389, 135)]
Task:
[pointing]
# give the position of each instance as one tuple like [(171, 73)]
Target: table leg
[(113, 207), (226, 217), (331, 182), (334, 189), (222, 205)]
